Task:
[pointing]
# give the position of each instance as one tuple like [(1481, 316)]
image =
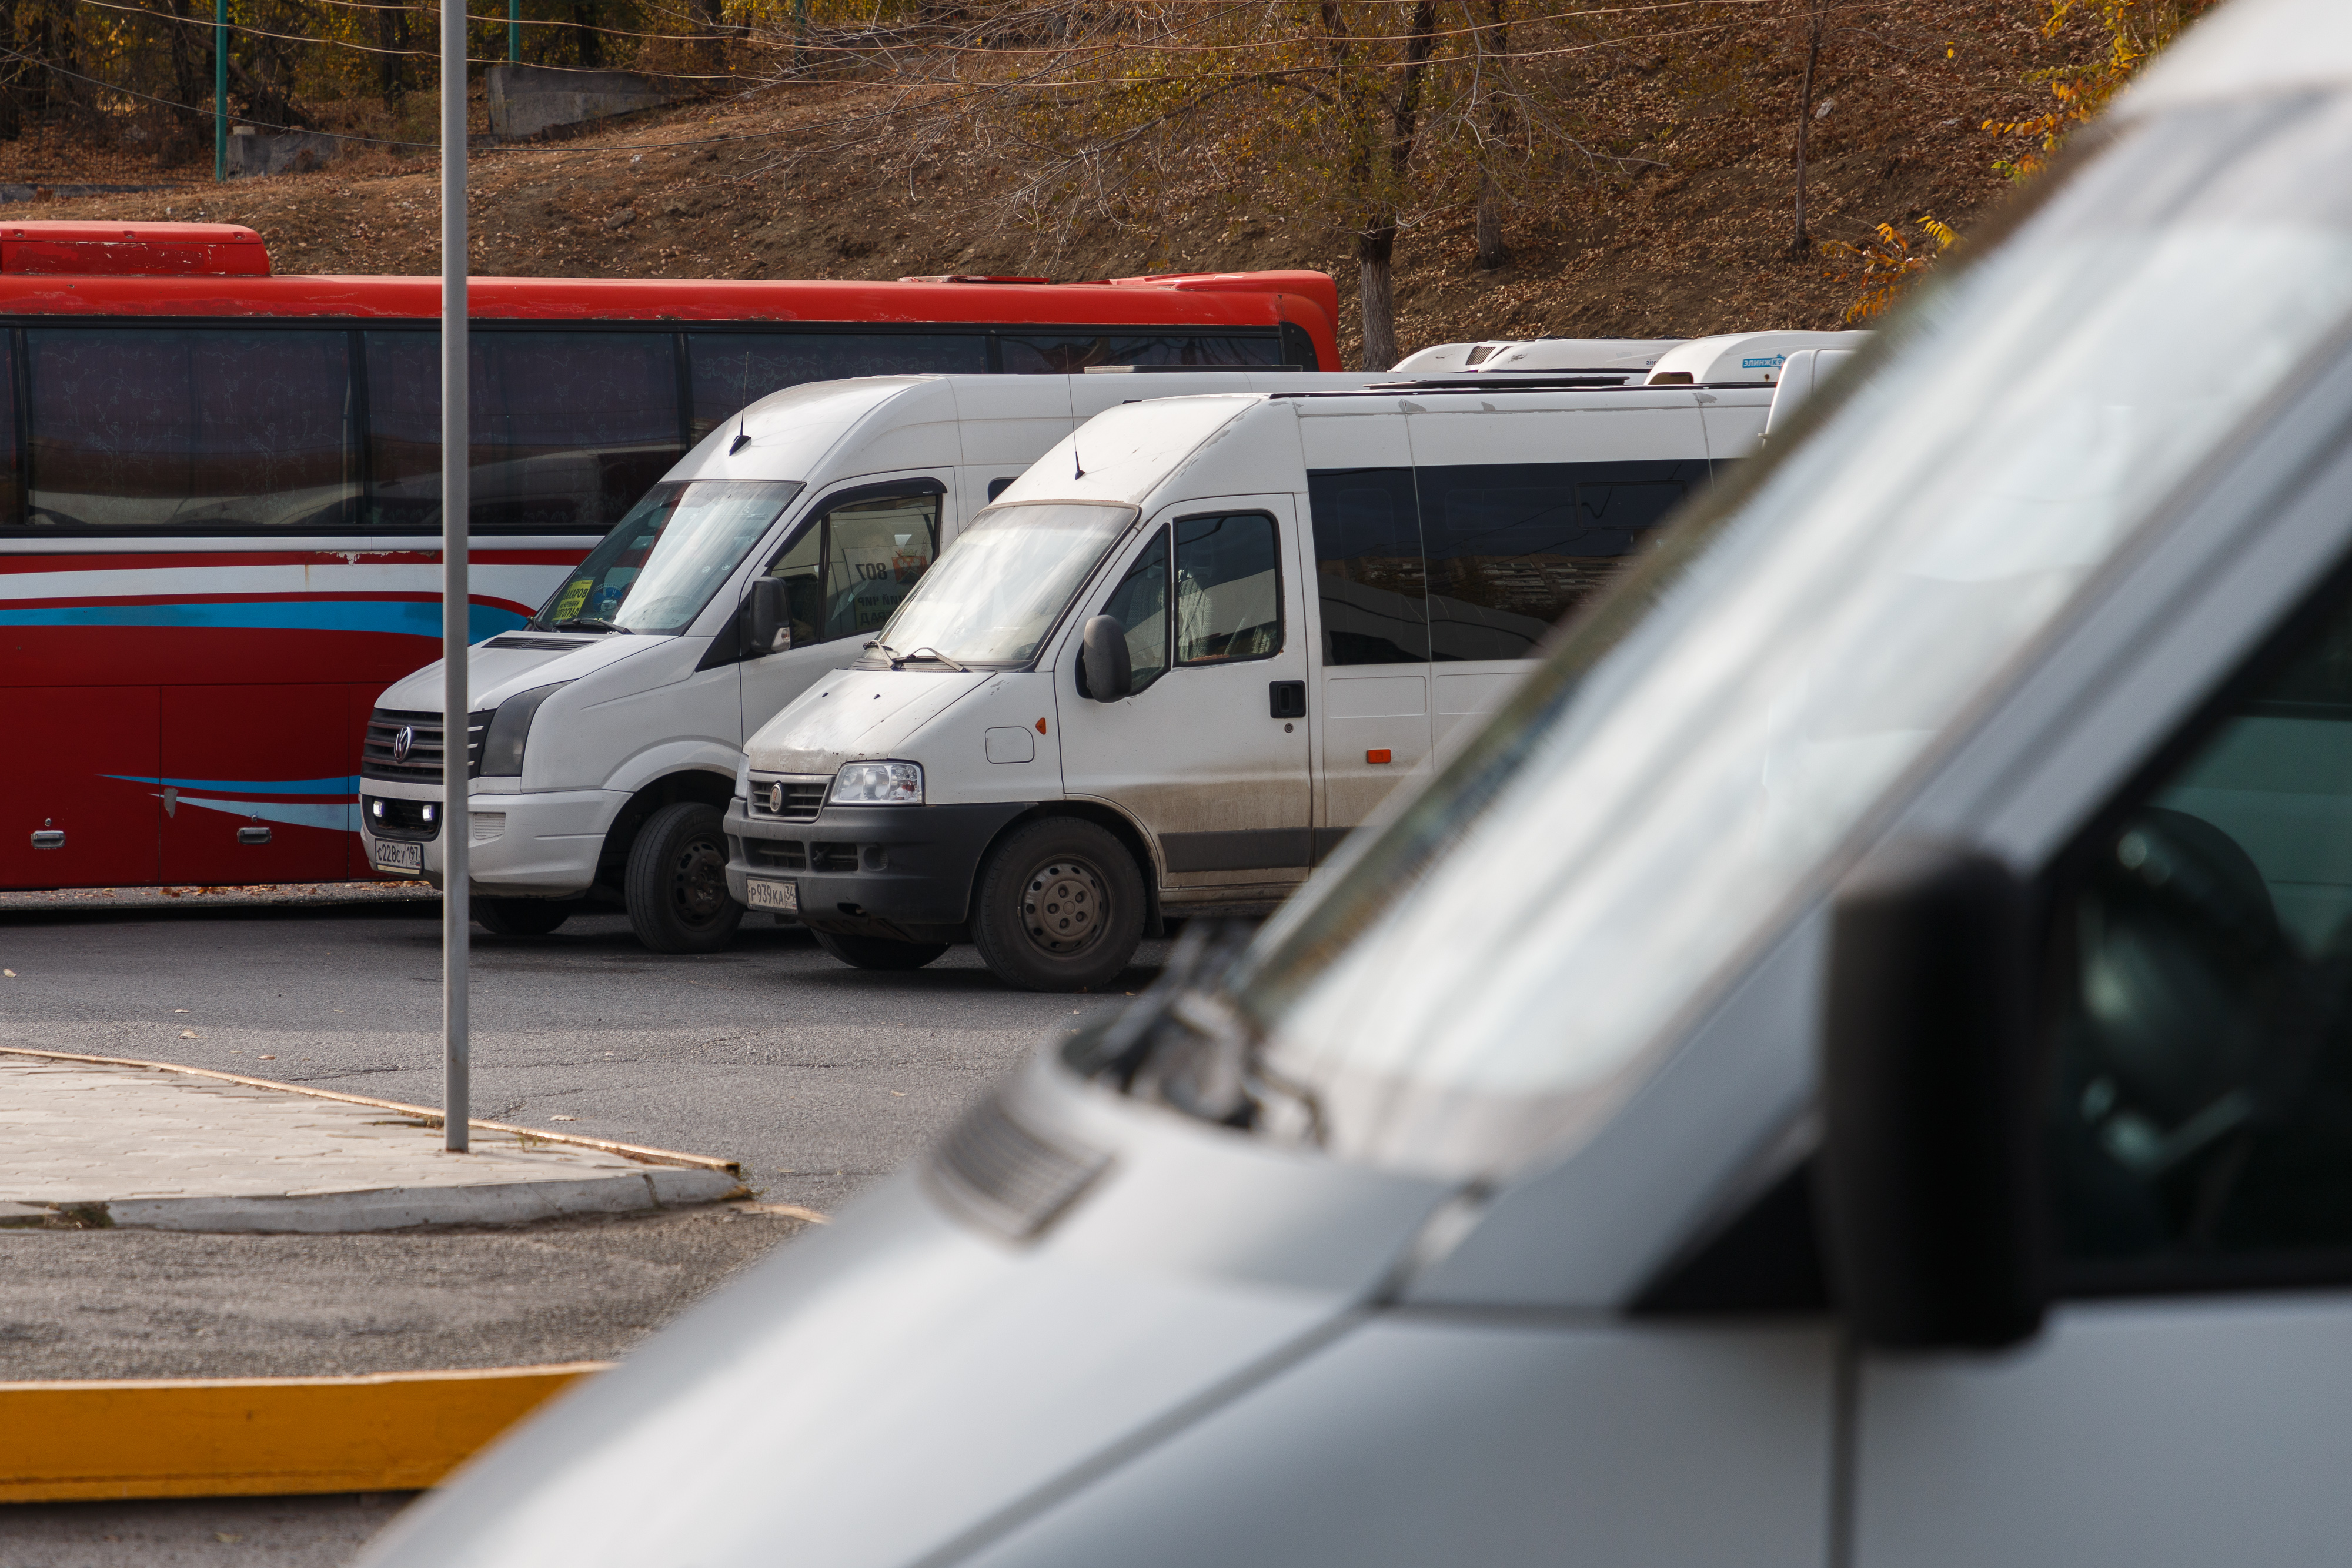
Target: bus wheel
[(521, 916), (878, 952), (1060, 908), (677, 883)]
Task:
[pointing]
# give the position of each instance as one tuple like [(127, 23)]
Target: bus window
[(731, 369), (11, 470), (201, 428), (1062, 354), (569, 428), (1368, 566)]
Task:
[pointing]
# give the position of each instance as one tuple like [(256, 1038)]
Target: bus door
[(845, 571), (255, 784), (78, 803)]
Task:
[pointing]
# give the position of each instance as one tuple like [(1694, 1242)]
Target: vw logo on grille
[(402, 742), (776, 798)]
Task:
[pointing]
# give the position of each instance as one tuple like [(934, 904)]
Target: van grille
[(776, 854), (422, 763), (787, 799), (1008, 1178)]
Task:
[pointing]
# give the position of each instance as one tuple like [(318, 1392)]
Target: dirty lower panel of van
[(899, 871)]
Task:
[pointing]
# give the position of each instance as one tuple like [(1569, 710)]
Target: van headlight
[(510, 732), (879, 784)]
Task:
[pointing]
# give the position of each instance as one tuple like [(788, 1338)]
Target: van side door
[(844, 569), (1209, 753)]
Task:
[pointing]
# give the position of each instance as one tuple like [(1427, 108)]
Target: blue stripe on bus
[(407, 618), (346, 787)]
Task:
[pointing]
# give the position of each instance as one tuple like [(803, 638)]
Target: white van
[(1631, 356), (1191, 650), (607, 733), (1472, 1217)]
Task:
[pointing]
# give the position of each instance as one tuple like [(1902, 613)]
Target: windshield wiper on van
[(922, 655), (589, 624)]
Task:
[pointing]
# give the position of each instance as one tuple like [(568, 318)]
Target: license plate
[(783, 895), (399, 857)]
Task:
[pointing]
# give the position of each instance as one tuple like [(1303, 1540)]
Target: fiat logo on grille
[(403, 741), (776, 798)]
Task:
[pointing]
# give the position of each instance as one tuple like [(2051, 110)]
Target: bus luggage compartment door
[(78, 801), (242, 757)]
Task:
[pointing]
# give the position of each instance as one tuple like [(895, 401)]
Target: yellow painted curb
[(390, 1431)]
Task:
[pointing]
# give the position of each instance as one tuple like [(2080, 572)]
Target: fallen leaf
[(563, 1118), (264, 1059), (10, 973), (187, 1034)]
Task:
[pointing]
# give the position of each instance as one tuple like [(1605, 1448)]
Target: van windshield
[(1004, 583), (1493, 973), (662, 563)]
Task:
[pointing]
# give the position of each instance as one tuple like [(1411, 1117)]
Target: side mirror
[(769, 628), (1931, 1153), (1103, 663)]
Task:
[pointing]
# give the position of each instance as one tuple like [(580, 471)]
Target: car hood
[(857, 714), (517, 661)]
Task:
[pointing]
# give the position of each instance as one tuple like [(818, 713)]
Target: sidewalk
[(101, 1142)]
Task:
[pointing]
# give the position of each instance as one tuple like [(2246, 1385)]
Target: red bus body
[(184, 677)]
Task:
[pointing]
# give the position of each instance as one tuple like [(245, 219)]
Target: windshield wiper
[(590, 623), (933, 656)]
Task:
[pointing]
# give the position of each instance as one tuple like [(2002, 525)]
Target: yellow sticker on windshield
[(575, 595)]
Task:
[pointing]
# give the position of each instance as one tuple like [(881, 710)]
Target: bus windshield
[(1004, 583), (1490, 976), (662, 563)]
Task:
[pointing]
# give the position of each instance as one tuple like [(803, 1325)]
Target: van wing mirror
[(1103, 663), (1931, 1158), (768, 629)]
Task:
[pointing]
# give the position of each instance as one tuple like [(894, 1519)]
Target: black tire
[(521, 916), (677, 883), (1059, 906), (878, 952)]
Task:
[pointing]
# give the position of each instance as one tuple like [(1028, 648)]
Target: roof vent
[(134, 250)]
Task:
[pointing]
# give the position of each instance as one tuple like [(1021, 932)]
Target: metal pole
[(514, 31), (220, 92), (456, 1046)]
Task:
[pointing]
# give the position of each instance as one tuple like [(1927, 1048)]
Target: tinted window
[(197, 428), (2202, 1106), (874, 553), (1067, 353), (1140, 604), (11, 469), (1228, 588), (1368, 566), (801, 565), (1512, 547), (568, 429), (730, 369)]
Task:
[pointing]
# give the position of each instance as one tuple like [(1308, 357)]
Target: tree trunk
[(1376, 294), (592, 46), (1491, 252), (391, 69), (191, 83), (1801, 244)]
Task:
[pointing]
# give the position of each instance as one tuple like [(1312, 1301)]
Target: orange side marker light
[(1380, 756), (1041, 726)]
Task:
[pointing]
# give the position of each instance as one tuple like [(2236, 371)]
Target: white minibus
[(1191, 650), (1850, 1068), (605, 735)]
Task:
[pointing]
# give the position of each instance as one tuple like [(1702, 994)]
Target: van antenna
[(743, 414), (1076, 460)]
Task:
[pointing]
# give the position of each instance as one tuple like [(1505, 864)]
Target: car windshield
[(661, 563), (1003, 584), (1490, 975)]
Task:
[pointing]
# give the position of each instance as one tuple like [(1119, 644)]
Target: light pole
[(220, 92), (457, 819)]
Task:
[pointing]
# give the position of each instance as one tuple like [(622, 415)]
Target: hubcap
[(700, 888), (1063, 906)]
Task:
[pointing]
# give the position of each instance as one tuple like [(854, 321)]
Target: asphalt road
[(817, 1077)]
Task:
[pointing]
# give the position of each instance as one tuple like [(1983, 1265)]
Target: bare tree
[(1801, 243)]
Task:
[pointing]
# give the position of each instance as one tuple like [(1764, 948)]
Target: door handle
[(1285, 699)]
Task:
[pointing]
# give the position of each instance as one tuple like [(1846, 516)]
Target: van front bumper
[(540, 843), (899, 871)]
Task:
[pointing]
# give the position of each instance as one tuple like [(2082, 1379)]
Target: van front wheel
[(878, 952), (677, 883), (522, 916), (1060, 908)]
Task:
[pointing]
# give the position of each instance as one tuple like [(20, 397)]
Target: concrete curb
[(672, 1179), (258, 1436)]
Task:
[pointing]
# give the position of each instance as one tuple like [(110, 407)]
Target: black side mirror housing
[(1930, 1171), (1103, 663), (767, 628)]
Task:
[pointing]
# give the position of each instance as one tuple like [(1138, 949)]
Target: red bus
[(219, 494)]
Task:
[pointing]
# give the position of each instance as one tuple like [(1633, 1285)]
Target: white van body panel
[(1018, 750), (857, 715), (1536, 354), (1804, 371)]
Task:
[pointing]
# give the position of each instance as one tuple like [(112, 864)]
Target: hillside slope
[(1682, 229)]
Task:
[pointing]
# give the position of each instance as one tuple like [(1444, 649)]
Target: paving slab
[(90, 1142)]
